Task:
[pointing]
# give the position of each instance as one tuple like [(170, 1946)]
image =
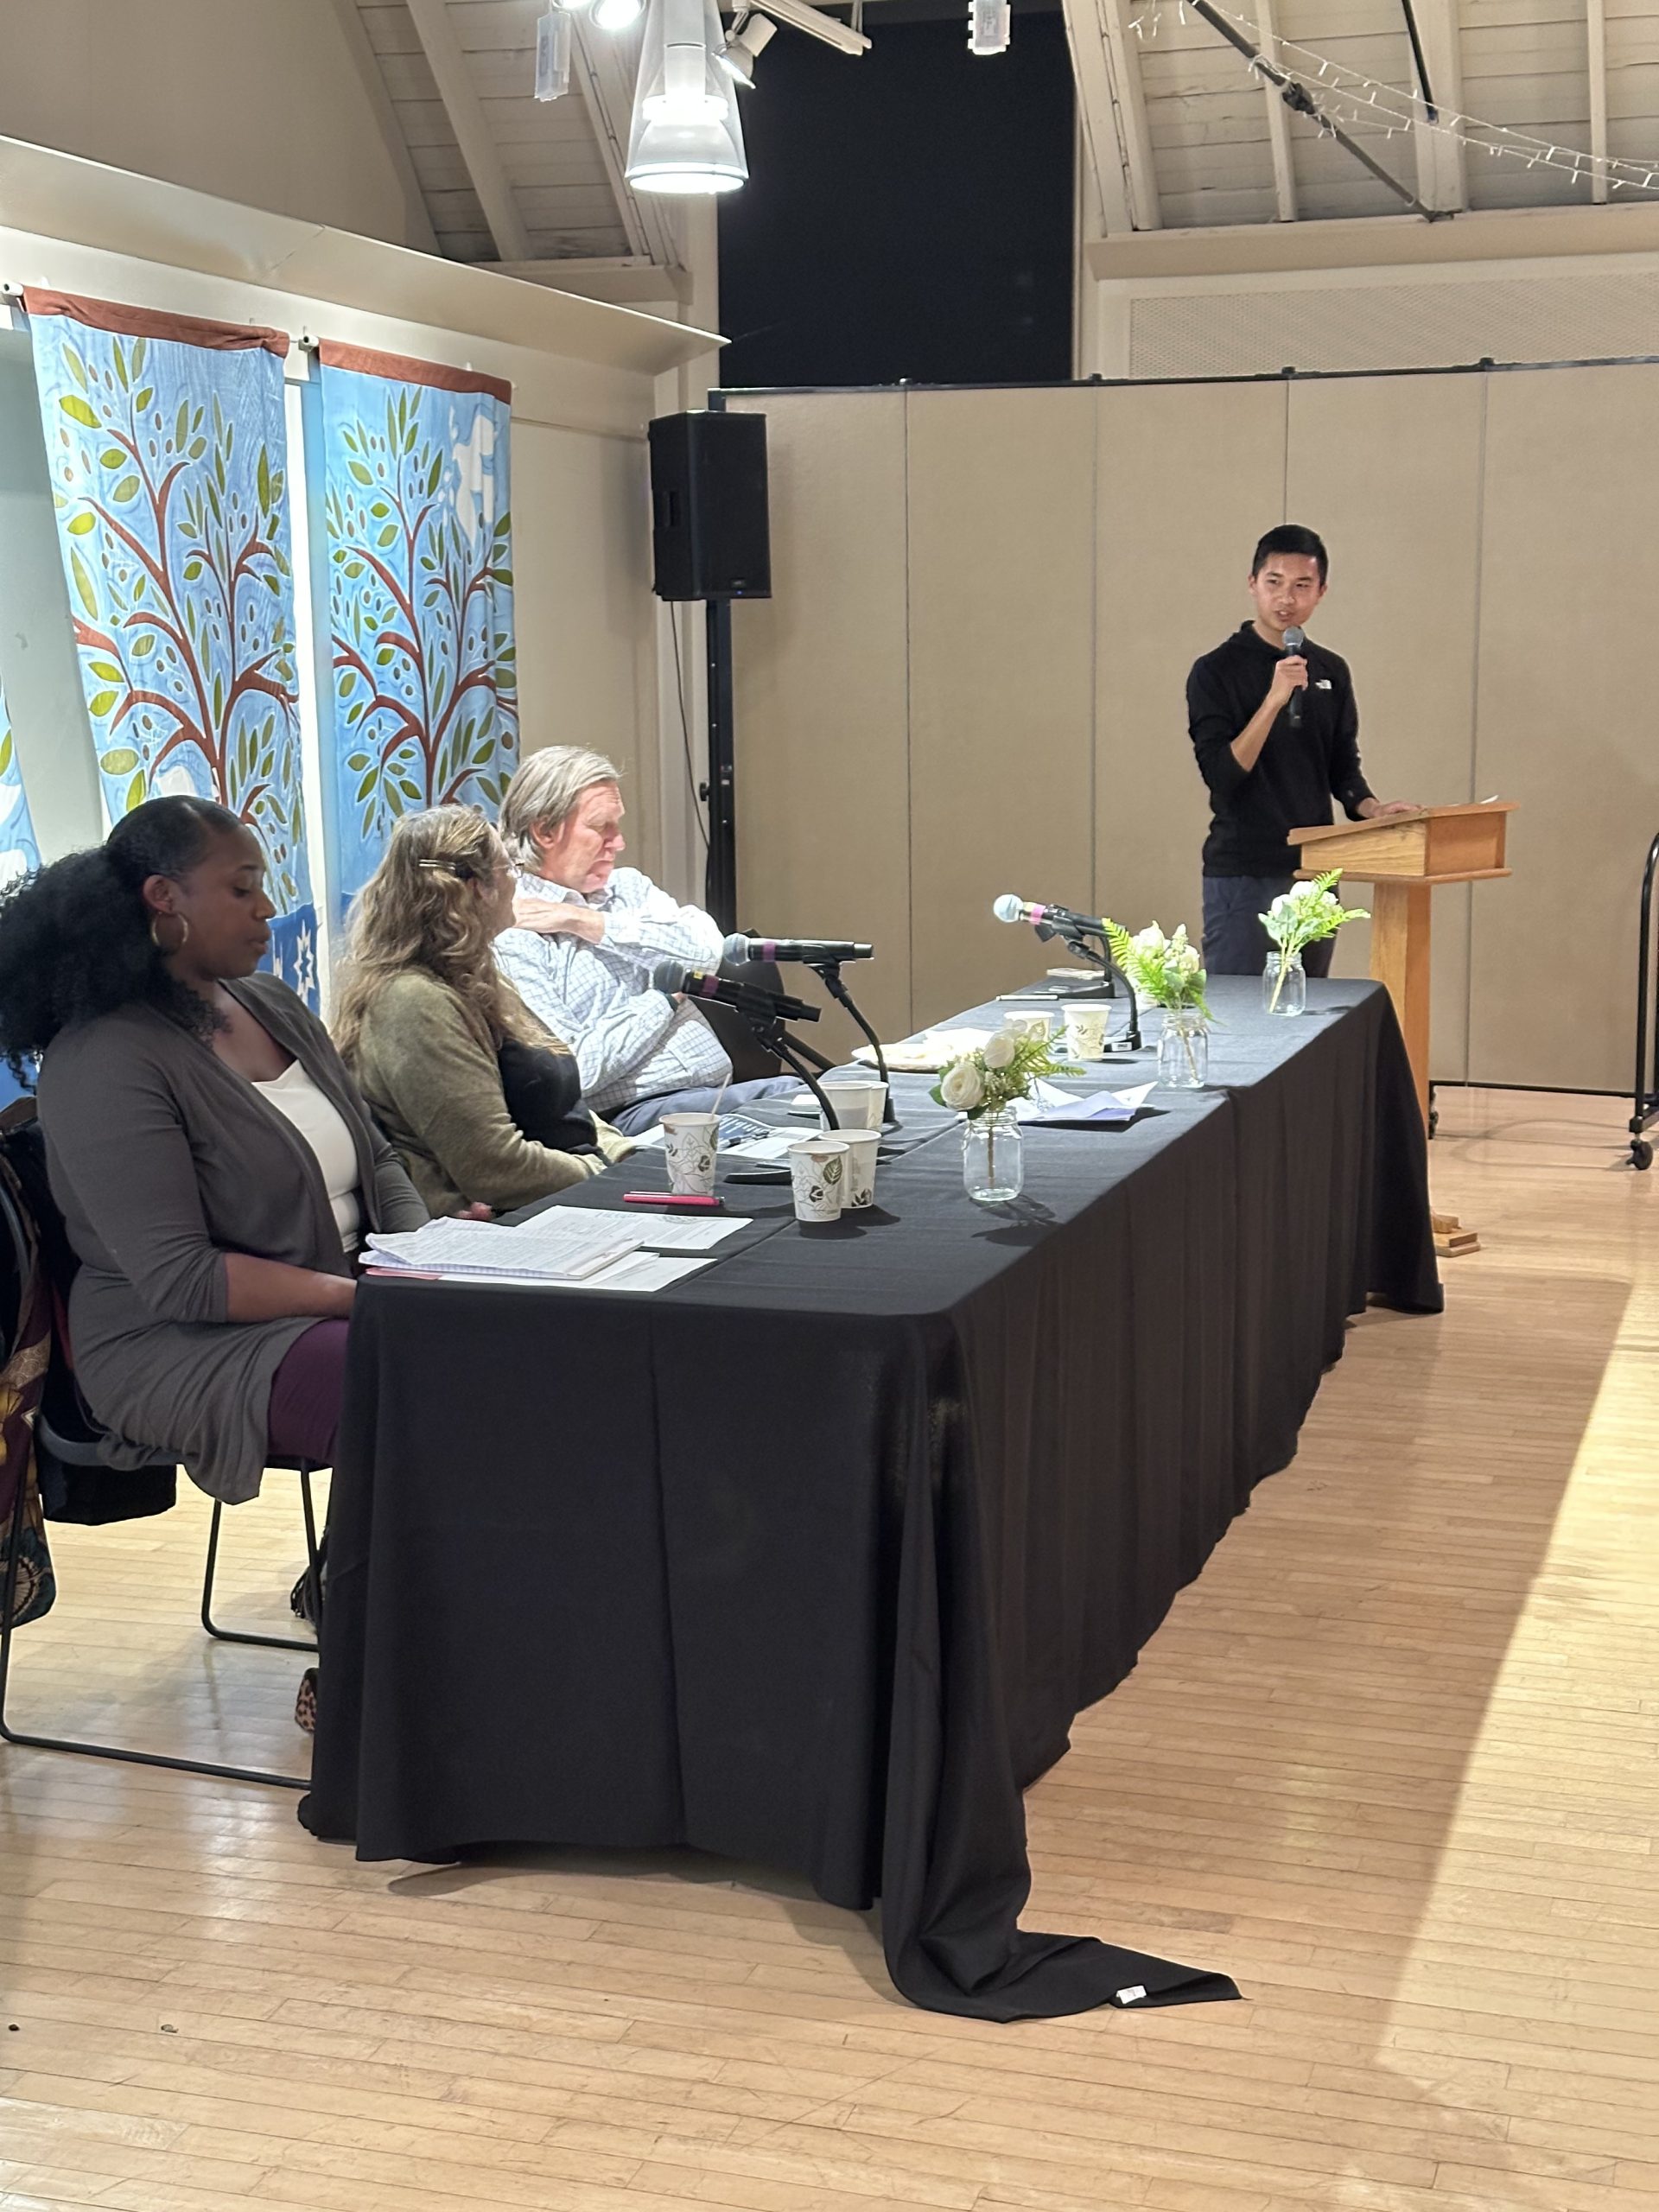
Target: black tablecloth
[(812, 1560)]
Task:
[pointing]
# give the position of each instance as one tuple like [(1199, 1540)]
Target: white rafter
[(1097, 115), (603, 69), (1597, 28), (448, 63), (1442, 176), (1284, 171), (366, 63), (1129, 106)]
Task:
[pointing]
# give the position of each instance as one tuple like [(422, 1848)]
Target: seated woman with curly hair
[(481, 1101), (214, 1165)]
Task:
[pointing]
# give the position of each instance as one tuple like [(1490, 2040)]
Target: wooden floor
[(1394, 1763)]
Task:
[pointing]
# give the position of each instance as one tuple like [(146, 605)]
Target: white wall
[(258, 101), (37, 651), (1544, 284)]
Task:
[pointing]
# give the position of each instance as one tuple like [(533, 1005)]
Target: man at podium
[(1276, 733)]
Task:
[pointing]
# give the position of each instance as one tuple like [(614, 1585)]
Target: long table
[(812, 1560)]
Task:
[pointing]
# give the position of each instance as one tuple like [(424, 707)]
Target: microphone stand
[(1130, 1042), (769, 1031), (828, 973)]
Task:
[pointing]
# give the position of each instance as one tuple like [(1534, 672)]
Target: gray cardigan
[(163, 1159)]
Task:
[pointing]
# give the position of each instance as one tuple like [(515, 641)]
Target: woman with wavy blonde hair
[(481, 1101)]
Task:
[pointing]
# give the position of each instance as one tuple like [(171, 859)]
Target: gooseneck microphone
[(1294, 640), (676, 981), (1007, 908), (807, 951)]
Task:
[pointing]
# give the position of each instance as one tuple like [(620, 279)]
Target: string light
[(1388, 109)]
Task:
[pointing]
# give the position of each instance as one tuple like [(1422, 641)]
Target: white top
[(629, 1041), (319, 1122)]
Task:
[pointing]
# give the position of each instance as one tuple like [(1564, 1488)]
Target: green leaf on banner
[(362, 474), (107, 670), (5, 755), (77, 411), (100, 703), (126, 490), (143, 646), (80, 525), (112, 458), (144, 397), (135, 794), (181, 427), (121, 762), (83, 582), (263, 480)]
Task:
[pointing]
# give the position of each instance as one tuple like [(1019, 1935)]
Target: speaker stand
[(719, 873)]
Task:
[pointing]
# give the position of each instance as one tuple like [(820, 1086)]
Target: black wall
[(908, 214)]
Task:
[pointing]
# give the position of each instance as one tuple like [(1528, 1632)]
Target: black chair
[(75, 1476), (751, 1061)]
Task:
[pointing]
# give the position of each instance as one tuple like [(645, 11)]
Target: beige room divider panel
[(822, 738), (1388, 470), (1569, 607), (1002, 678), (1189, 477)]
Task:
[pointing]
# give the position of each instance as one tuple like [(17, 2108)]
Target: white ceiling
[(1177, 131)]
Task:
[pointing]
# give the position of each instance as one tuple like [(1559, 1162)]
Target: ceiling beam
[(1597, 23), (1284, 171), (421, 235), (603, 67), (1097, 115), (479, 150), (1442, 175), (1129, 102)]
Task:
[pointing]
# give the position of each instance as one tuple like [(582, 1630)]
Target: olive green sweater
[(435, 1088)]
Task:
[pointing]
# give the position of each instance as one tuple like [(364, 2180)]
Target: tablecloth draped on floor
[(812, 1560)]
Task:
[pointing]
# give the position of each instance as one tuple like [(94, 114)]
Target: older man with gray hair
[(589, 934)]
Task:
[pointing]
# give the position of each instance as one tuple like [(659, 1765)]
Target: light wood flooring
[(1393, 1763)]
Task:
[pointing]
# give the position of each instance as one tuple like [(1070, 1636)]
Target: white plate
[(928, 1053)]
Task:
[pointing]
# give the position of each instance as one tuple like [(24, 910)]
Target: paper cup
[(1085, 1032), (858, 1103), (1039, 1025), (818, 1170), (863, 1146), (689, 1144)]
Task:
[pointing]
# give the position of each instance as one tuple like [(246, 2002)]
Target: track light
[(685, 136), (617, 14), (989, 25), (813, 21), (750, 36)]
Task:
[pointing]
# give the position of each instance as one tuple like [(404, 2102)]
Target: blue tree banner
[(166, 443), (424, 698), (19, 854)]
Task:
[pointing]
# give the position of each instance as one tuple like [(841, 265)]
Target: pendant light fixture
[(685, 137)]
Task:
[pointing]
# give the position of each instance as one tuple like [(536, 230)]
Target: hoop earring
[(184, 933)]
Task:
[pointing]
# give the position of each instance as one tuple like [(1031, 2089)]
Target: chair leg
[(243, 1635), (10, 1735)]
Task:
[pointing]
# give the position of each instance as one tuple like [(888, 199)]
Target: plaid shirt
[(629, 1041)]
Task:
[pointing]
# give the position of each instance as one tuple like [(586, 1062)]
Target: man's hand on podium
[(1370, 808)]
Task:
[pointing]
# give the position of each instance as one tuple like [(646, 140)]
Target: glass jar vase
[(1184, 1050), (993, 1159), (1284, 984)]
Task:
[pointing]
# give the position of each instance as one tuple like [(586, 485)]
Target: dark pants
[(305, 1396), (1235, 943), (645, 1113)]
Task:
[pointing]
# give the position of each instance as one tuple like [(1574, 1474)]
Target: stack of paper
[(1050, 1107), (566, 1244)]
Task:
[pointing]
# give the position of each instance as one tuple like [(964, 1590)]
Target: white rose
[(962, 1087), (1150, 939), (999, 1050)]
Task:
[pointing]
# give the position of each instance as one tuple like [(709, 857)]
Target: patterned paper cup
[(862, 1146), (1085, 1032), (860, 1102), (689, 1144), (818, 1170)]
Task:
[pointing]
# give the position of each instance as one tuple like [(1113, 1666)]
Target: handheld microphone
[(1294, 640), (1007, 908), (674, 979), (808, 952)]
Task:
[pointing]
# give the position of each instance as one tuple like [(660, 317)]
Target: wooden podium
[(1406, 856)]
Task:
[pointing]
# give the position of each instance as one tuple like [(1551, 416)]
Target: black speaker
[(711, 536)]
